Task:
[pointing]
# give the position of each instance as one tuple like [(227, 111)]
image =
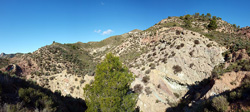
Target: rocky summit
[(181, 63)]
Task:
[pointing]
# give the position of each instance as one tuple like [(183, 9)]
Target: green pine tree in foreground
[(109, 92)]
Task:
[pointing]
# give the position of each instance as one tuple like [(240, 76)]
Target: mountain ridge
[(174, 54)]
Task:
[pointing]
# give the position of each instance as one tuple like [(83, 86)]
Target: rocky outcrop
[(3, 55), (177, 58), (244, 31), (227, 82), (14, 69), (66, 84), (238, 55)]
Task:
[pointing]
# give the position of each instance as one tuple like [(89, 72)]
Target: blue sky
[(26, 25)]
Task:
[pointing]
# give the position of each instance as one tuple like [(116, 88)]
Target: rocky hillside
[(172, 61)]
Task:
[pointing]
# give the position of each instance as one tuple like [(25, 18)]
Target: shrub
[(154, 53), (158, 86), (35, 98), (147, 71), (191, 65), (149, 55), (142, 69), (208, 16), (177, 69), (188, 23), (52, 78), (148, 91), (138, 88), (233, 95), (191, 53), (188, 17), (182, 45), (196, 42), (177, 32), (209, 45), (196, 15), (176, 95), (172, 54), (178, 47), (145, 79), (181, 17), (212, 25), (150, 59), (82, 81), (220, 103), (152, 65), (164, 60)]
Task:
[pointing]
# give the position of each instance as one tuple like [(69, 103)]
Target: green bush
[(188, 17), (196, 15), (181, 17), (233, 95), (220, 103), (35, 98), (187, 23), (208, 16), (212, 25)]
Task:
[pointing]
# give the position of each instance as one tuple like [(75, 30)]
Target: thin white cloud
[(107, 32), (98, 31), (102, 3)]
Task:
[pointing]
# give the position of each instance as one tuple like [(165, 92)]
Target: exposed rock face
[(239, 55), (168, 83), (228, 81), (245, 31), (67, 84), (26, 63), (14, 69)]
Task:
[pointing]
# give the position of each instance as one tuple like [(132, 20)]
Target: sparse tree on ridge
[(196, 15), (208, 16), (212, 25)]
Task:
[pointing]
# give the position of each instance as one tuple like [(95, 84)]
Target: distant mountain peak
[(2, 54)]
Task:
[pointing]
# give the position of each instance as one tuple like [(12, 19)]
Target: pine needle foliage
[(110, 90)]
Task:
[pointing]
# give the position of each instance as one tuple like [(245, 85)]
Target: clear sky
[(26, 25)]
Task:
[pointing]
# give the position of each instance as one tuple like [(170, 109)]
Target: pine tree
[(109, 92), (188, 23), (212, 25)]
